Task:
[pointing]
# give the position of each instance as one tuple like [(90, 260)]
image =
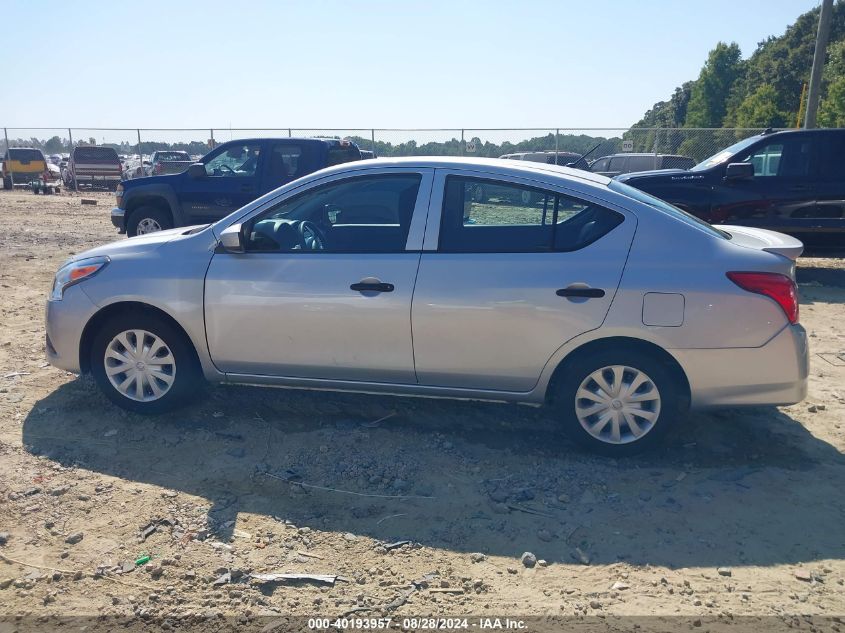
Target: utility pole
[(818, 64)]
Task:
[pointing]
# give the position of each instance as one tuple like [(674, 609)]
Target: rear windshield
[(343, 154), (173, 156), (26, 154), (665, 207), (95, 155)]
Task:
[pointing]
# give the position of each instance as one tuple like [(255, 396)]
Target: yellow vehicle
[(25, 165)]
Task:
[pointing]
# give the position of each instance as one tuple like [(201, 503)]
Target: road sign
[(470, 147), (627, 146)]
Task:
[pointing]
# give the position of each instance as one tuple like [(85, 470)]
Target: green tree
[(760, 109), (832, 107), (708, 98)]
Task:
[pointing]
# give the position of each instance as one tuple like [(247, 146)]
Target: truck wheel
[(145, 220), (7, 182)]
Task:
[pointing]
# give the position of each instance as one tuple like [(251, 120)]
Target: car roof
[(489, 165), (292, 139), (649, 154)]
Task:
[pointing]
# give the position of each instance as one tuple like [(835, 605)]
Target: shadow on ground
[(730, 488)]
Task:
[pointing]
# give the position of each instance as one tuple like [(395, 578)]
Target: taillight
[(773, 285), (157, 168)]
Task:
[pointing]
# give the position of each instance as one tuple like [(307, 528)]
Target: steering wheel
[(224, 166), (310, 236)]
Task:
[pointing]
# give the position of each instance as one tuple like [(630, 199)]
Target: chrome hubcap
[(148, 225), (617, 404), (140, 365)]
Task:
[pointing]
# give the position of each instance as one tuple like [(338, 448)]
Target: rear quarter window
[(26, 155), (343, 154)]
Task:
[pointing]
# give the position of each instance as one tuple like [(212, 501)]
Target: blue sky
[(460, 63)]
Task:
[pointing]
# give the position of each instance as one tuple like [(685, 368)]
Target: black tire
[(7, 182), (661, 376), (154, 214), (187, 374)]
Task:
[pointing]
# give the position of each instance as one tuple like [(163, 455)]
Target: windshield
[(665, 207), (725, 154)]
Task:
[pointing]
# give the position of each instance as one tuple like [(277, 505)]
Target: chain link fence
[(135, 145)]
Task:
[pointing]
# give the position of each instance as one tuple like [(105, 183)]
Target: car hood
[(669, 175), (136, 245), (764, 240), (164, 179)]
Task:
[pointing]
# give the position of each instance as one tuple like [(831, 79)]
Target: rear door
[(503, 283), (232, 180), (830, 193), (287, 161)]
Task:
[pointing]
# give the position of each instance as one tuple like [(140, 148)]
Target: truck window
[(286, 162), (95, 155), (343, 154), (237, 160)]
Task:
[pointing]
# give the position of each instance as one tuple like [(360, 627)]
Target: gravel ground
[(421, 507)]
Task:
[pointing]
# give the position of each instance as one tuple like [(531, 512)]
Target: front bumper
[(118, 217), (773, 374), (65, 322)]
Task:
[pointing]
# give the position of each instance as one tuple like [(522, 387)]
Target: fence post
[(557, 133), (462, 142), (211, 131), (656, 144), (373, 137), (8, 162), (140, 155), (289, 133)]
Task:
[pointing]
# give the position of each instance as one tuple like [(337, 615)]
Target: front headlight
[(75, 272)]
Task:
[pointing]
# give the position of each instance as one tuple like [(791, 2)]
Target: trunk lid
[(765, 240)]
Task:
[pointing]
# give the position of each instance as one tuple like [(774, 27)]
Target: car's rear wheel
[(144, 220), (144, 364), (616, 402)]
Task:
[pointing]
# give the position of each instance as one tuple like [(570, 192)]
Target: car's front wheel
[(144, 364), (144, 220), (617, 403)]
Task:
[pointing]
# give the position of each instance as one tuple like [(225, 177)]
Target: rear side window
[(617, 163), (833, 157), (677, 162), (343, 154), (642, 163), (488, 216), (173, 156), (95, 155)]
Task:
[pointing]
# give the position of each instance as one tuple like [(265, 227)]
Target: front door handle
[(371, 286), (586, 293)]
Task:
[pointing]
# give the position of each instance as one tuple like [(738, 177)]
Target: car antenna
[(768, 130), (584, 155)]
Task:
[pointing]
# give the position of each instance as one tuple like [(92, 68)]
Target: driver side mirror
[(739, 171), (232, 238), (197, 170)]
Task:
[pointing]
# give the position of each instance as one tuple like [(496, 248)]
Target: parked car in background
[(134, 167), (365, 154), (227, 178), (616, 164), (92, 165), (23, 165), (791, 181), (550, 157), (167, 162), (54, 159), (321, 283)]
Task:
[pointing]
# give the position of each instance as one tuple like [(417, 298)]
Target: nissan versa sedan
[(617, 310)]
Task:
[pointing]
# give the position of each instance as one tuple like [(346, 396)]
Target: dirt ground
[(420, 506)]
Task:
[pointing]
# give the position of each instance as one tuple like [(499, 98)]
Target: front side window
[(368, 214), (784, 158), (600, 164), (512, 218), (240, 160)]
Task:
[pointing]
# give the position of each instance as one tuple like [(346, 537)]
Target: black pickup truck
[(791, 181), (225, 179)]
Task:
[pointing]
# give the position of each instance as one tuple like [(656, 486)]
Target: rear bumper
[(774, 374), (97, 178), (118, 217)]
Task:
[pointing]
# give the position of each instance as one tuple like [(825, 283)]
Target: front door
[(782, 194), (514, 278), (324, 288), (232, 180)]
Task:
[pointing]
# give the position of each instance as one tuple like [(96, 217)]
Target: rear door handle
[(371, 286), (586, 293)]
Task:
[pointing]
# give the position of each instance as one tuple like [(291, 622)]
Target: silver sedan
[(560, 287)]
